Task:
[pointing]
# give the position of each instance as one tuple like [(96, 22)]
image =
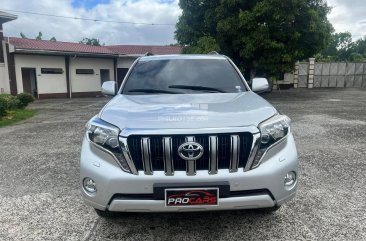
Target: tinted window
[(52, 70), (84, 71), (163, 74)]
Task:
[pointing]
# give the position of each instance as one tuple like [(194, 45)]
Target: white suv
[(186, 133)]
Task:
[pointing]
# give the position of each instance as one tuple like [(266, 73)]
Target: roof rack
[(148, 54), (213, 53)]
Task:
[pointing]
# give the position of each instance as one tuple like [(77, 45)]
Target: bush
[(2, 108), (8, 102), (24, 99)]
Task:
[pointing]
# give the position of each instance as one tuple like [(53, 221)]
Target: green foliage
[(204, 45), (15, 116), (8, 102), (342, 48), (2, 108), (270, 34), (24, 99), (357, 57), (38, 37), (90, 41)]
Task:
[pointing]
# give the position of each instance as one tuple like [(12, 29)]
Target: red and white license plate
[(182, 197)]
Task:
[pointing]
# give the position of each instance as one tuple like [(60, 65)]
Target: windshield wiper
[(195, 87), (153, 91)]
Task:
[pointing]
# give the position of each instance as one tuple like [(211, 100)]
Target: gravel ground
[(39, 174)]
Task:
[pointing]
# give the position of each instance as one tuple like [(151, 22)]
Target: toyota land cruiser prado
[(186, 133)]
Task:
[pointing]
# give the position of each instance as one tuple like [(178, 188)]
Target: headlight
[(272, 131), (105, 137)]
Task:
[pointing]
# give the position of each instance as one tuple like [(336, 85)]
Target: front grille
[(160, 153)]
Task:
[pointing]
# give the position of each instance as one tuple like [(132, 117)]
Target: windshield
[(181, 76)]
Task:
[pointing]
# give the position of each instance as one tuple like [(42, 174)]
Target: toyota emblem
[(190, 151)]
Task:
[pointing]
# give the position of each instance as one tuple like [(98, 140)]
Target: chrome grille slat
[(146, 155), (213, 151), (222, 151), (168, 157), (127, 155), (234, 153), (253, 151), (191, 165)]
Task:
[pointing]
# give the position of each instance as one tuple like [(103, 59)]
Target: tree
[(90, 41), (267, 34), (359, 50), (205, 44), (38, 37), (342, 48)]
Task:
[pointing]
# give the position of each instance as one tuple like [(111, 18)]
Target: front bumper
[(111, 180)]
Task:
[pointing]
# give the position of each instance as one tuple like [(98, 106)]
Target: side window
[(84, 71), (52, 70)]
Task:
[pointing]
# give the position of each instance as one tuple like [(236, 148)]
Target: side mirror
[(260, 85), (109, 88)]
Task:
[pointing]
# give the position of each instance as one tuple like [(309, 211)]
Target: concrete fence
[(314, 74)]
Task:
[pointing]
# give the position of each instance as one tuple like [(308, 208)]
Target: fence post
[(296, 74), (311, 73)]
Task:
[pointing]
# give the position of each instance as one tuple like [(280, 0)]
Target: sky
[(346, 15)]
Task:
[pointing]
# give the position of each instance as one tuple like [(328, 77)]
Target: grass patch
[(17, 115)]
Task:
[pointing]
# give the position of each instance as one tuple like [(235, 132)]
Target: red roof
[(46, 45), (143, 49)]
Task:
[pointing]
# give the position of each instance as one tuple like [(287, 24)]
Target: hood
[(174, 111)]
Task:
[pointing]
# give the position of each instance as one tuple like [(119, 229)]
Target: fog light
[(89, 185), (290, 178)]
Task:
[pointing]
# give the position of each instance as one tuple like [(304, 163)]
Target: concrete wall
[(314, 74), (4, 81), (55, 85), (89, 82), (46, 83), (125, 62)]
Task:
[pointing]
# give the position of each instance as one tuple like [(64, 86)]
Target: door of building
[(30, 81), (104, 76)]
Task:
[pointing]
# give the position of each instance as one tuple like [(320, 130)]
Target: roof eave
[(7, 17), (55, 52)]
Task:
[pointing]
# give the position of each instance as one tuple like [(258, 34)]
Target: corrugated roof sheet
[(46, 45), (142, 49)]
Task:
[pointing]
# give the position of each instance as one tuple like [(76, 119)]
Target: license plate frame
[(191, 197)]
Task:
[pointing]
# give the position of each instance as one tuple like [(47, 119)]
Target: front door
[(104, 76), (30, 81)]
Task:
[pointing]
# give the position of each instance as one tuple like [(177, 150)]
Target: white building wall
[(46, 83), (125, 62), (4, 81), (89, 82), (4, 73)]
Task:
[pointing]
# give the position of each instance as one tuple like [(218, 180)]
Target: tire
[(105, 214)]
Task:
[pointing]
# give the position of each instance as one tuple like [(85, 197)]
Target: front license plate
[(182, 197)]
